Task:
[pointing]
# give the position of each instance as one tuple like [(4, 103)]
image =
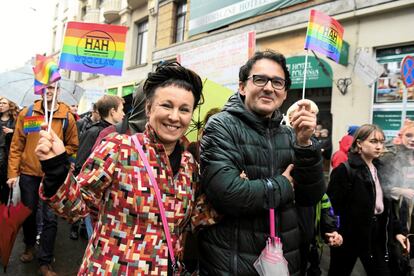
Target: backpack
[(65, 123), (349, 170)]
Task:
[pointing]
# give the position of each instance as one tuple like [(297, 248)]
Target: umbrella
[(215, 96), (11, 218), (17, 86)]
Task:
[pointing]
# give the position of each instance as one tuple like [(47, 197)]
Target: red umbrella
[(11, 218)]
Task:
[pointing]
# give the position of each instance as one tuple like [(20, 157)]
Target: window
[(141, 42), (180, 21), (83, 13)]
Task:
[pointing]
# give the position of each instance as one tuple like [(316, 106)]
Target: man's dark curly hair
[(173, 74), (268, 54)]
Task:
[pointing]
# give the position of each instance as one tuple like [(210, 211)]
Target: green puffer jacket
[(236, 140)]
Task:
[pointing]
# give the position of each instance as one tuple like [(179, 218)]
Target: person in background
[(87, 120), (341, 155), (111, 112), (399, 174), (8, 116), (24, 163), (249, 163), (367, 223), (194, 147), (74, 110), (317, 223), (115, 180), (133, 122)]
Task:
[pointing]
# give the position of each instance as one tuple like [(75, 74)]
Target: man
[(24, 163), (111, 111), (88, 120), (246, 166)]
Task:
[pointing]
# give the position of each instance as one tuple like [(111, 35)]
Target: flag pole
[(304, 74), (52, 108), (54, 94), (45, 105)]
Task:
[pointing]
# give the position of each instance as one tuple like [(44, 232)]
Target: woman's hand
[(7, 130), (49, 145), (404, 241), (334, 239)]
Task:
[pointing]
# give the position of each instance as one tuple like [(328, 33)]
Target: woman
[(356, 194), (128, 237), (8, 114)]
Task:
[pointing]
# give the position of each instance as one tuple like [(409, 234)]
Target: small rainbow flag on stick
[(93, 48), (32, 123), (46, 72), (324, 35)]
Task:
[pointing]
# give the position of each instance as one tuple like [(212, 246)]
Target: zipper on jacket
[(235, 248)]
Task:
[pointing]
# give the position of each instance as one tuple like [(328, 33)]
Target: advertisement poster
[(389, 86)]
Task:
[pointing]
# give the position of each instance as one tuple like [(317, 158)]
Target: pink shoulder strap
[(158, 195)]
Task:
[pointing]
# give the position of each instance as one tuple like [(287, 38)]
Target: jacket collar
[(355, 160), (236, 106)]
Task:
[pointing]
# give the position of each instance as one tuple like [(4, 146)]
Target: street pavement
[(68, 254)]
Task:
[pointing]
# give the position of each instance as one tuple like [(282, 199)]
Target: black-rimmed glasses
[(261, 81)]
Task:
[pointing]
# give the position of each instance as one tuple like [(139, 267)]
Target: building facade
[(162, 30), (378, 27)]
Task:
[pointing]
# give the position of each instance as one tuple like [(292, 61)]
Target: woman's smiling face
[(170, 112)]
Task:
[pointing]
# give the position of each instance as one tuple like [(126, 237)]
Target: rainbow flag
[(46, 72), (32, 123), (93, 48), (324, 35)]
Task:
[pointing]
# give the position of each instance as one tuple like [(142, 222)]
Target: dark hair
[(362, 134), (268, 54), (173, 74), (106, 103)]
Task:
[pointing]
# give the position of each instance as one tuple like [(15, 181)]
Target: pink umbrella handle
[(272, 223)]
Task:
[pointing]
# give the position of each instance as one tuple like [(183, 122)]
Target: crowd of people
[(156, 205)]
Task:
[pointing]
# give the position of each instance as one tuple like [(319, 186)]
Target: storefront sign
[(315, 76), (212, 14), (390, 121)]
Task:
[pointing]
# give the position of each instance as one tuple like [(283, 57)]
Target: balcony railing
[(111, 9), (133, 4)]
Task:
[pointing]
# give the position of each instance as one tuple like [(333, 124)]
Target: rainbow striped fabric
[(93, 48), (32, 123), (46, 72), (324, 35)]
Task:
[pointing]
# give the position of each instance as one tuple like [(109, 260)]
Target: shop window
[(112, 91)]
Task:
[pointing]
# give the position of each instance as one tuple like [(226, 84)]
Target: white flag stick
[(304, 74), (52, 108), (45, 106)]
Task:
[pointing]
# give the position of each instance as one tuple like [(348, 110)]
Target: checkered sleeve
[(82, 194)]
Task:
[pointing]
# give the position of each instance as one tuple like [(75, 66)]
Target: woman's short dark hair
[(173, 74), (268, 54), (362, 134)]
